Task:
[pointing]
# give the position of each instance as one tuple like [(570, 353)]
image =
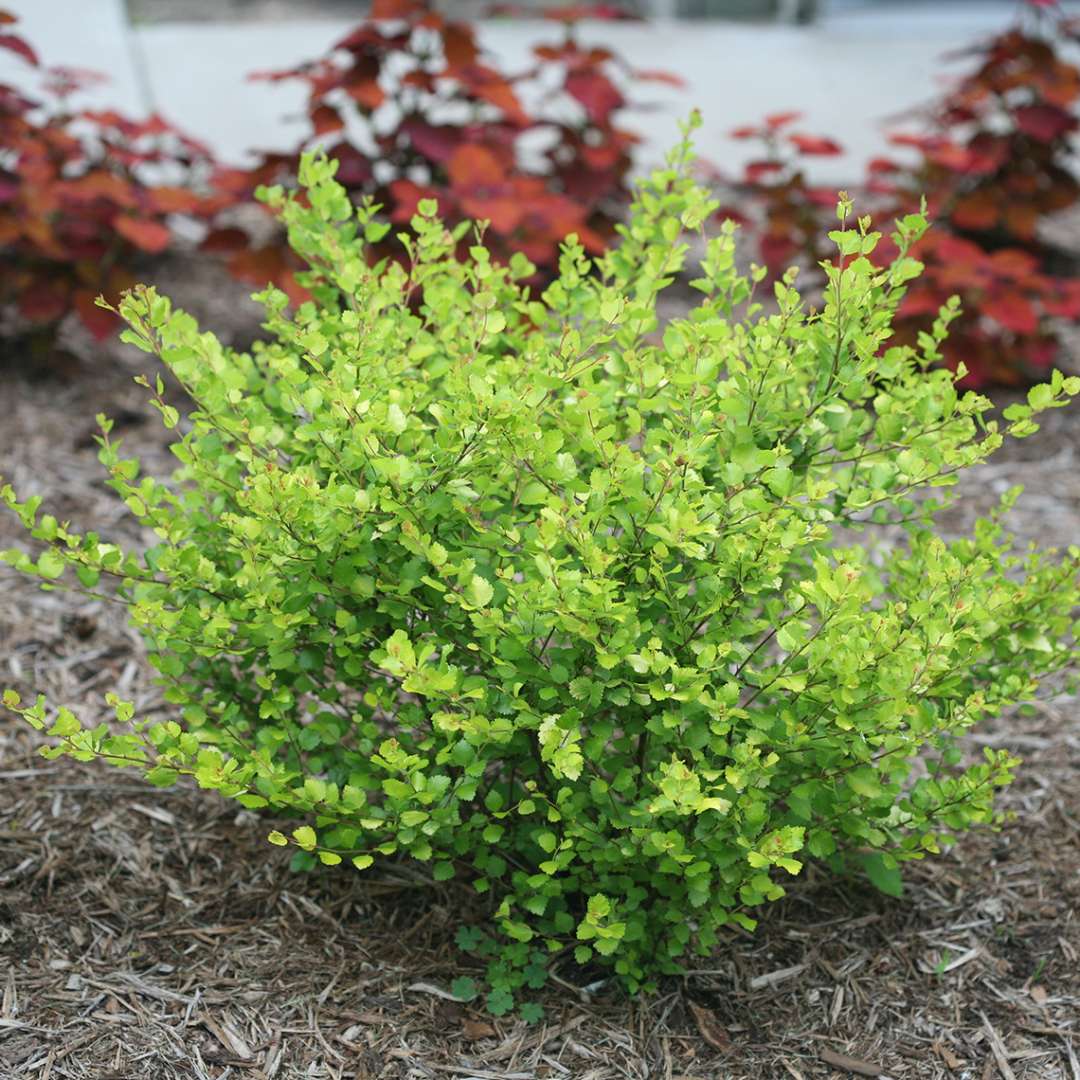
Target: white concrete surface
[(90, 34), (848, 73)]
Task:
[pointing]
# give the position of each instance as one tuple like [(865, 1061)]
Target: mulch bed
[(155, 934)]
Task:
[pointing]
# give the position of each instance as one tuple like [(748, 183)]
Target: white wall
[(848, 73)]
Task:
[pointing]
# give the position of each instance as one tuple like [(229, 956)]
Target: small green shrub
[(552, 601)]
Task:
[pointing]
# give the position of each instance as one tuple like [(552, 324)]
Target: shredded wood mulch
[(155, 934)]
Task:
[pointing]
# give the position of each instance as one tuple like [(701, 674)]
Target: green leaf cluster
[(614, 622)]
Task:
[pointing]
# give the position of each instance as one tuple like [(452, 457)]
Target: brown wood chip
[(711, 1030), (849, 1064), (477, 1029), (947, 1056), (997, 1048)]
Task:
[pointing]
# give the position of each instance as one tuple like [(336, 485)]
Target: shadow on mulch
[(154, 934)]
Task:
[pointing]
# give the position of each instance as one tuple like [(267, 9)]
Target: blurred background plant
[(411, 108), (993, 157), (84, 194), (412, 104)]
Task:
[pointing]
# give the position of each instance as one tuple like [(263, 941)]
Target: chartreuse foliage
[(553, 603)]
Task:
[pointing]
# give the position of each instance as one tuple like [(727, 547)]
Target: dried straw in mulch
[(154, 934)]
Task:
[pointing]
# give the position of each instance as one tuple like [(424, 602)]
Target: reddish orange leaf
[(473, 166), (1022, 219), (459, 45), (145, 234), (99, 185), (978, 210), (775, 121), (326, 118), (174, 200), (596, 92), (488, 85), (816, 145), (269, 265), (504, 213), (364, 90), (407, 196), (1014, 312)]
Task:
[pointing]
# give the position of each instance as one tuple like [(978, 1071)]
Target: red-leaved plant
[(993, 160), (789, 225), (76, 207), (411, 108)]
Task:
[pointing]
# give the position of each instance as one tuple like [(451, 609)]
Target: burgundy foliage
[(992, 158)]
